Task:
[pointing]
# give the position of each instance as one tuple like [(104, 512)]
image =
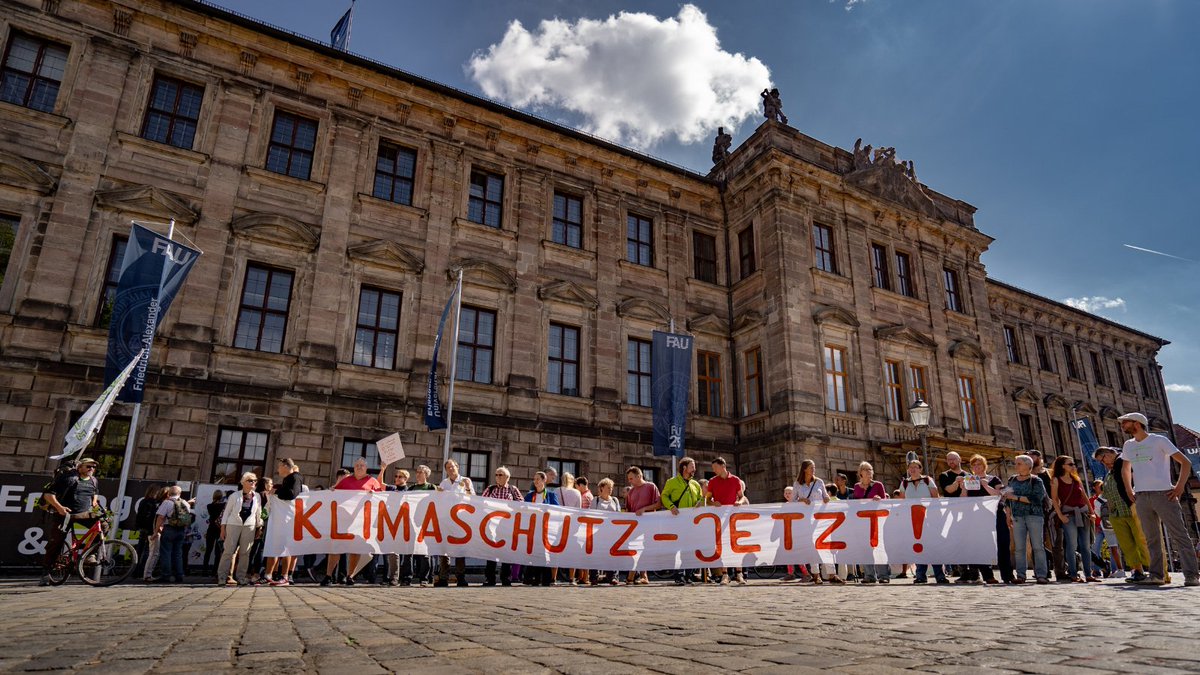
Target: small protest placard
[(391, 450)]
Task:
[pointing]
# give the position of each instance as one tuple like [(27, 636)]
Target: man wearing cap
[(1150, 456), (74, 492)]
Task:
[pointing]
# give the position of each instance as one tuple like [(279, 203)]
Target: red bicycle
[(98, 560)]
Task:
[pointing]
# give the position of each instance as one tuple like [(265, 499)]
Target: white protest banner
[(391, 450), (951, 531)]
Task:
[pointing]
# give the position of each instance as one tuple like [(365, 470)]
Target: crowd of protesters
[(1047, 517)]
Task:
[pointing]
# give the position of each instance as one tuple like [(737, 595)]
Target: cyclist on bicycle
[(74, 493)]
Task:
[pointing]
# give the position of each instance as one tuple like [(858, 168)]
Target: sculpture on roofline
[(721, 146), (773, 106)]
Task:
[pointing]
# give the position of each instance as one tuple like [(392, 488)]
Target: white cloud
[(1181, 389), (1096, 303), (850, 3), (634, 78)]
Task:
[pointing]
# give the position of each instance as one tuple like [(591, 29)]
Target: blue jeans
[(876, 572), (1029, 532), (170, 556), (1075, 540), (939, 572)]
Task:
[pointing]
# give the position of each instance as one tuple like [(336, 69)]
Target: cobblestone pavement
[(764, 627)]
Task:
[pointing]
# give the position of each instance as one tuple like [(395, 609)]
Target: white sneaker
[(1119, 574)]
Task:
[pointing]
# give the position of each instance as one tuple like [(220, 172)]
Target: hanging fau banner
[(952, 531), (152, 270), (671, 379), (435, 417), (1088, 442)]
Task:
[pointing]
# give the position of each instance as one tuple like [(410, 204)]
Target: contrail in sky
[(1148, 250)]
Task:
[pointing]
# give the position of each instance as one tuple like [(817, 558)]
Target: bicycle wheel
[(60, 571), (107, 562), (765, 571)]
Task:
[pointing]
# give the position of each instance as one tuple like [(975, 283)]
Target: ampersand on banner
[(32, 544)]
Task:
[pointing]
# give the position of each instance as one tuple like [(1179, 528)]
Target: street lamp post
[(918, 414)]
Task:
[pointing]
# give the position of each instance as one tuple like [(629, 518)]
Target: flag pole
[(674, 456), (453, 368), (1087, 483), (131, 437)]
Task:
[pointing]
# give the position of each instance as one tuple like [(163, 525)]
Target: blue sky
[(1071, 125)]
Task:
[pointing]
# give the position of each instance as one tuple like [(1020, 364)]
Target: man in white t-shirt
[(458, 484), (1157, 499)]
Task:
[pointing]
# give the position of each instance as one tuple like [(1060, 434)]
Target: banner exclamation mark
[(918, 523)]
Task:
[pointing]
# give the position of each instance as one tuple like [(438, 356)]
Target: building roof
[(1185, 437), (1161, 342), (210, 9)]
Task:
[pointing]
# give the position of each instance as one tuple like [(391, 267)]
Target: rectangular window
[(173, 112), (112, 277), (1043, 354), (108, 445), (894, 390), (904, 280), (563, 466), (1010, 345), (395, 173), (637, 372), (486, 199), (836, 396), (746, 260), (704, 257), (708, 383), (1069, 362), (755, 402), (563, 368), (1122, 378), (967, 400), (377, 329), (1058, 433), (1145, 382), (293, 142), (1098, 370), (9, 224), (639, 240), (353, 448), (917, 382), (568, 221), (879, 267), (33, 71), (953, 292), (239, 451), (476, 345), (823, 255), (474, 465), (650, 475), (262, 316), (1028, 438), (1112, 439)]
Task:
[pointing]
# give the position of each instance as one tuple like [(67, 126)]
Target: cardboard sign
[(391, 450)]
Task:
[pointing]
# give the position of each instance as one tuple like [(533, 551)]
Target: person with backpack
[(174, 516), (916, 485), (240, 522), (73, 492)]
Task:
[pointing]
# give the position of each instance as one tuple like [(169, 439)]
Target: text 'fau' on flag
[(435, 416), (671, 379), (152, 271)]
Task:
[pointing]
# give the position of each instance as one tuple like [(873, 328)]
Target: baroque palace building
[(335, 198)]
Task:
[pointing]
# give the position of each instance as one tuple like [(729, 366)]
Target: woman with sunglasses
[(240, 523), (1073, 510)]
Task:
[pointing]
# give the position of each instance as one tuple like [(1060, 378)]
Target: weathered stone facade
[(74, 178)]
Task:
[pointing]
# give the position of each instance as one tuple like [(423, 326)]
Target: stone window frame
[(630, 340), (465, 459), (1012, 344), (494, 347), (705, 381), (757, 380), (1148, 391), (1099, 374), (261, 136), (112, 267), (881, 267), (716, 259), (829, 368), (287, 313), (747, 259), (381, 132), (364, 286), (1045, 357), (508, 205), (43, 42), (1030, 438), (369, 451), (140, 84), (818, 253), (578, 362), (570, 192), (241, 461), (78, 43), (894, 401), (654, 223), (911, 279), (970, 401), (380, 143), (1070, 364), (164, 75), (1058, 437), (1123, 383), (561, 467), (955, 298)]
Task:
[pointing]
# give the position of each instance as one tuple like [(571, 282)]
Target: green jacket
[(682, 494)]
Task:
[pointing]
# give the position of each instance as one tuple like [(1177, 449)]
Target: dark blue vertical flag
[(671, 381), (339, 37), (1193, 455), (152, 271), (435, 417), (1087, 441)]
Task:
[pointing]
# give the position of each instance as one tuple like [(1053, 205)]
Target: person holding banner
[(500, 490), (1075, 513), (359, 480), (540, 494), (1025, 495), (421, 566), (1158, 500), (979, 483), (643, 497), (681, 492), (605, 501), (808, 489), (916, 485), (458, 484), (869, 488), (291, 484), (725, 489)]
